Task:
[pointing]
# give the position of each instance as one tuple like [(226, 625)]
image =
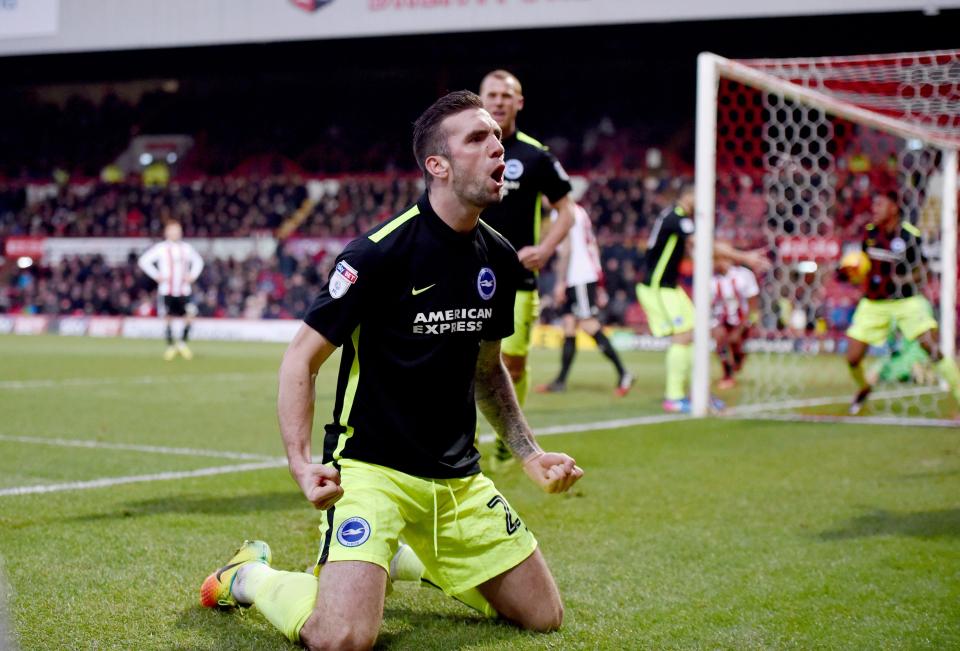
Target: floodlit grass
[(691, 534)]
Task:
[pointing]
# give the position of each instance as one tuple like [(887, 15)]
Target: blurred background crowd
[(59, 178)]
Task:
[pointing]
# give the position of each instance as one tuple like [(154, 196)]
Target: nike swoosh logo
[(225, 568), (414, 291)]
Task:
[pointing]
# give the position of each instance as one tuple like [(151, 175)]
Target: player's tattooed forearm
[(498, 403)]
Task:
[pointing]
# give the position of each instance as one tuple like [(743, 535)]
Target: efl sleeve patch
[(342, 279), (345, 298)]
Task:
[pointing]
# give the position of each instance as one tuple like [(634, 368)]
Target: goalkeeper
[(907, 362), (892, 293)]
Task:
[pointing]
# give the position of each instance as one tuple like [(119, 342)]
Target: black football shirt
[(895, 260), (666, 248), (531, 173), (410, 302)]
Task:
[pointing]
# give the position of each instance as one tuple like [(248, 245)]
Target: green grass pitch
[(692, 534)]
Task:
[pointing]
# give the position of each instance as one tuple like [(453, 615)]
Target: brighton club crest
[(486, 283), (353, 532)]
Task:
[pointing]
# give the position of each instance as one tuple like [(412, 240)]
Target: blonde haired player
[(531, 174), (174, 265)]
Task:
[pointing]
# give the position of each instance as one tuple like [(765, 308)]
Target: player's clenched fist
[(554, 472), (320, 484)]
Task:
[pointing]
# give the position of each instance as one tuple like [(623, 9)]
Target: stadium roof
[(51, 26)]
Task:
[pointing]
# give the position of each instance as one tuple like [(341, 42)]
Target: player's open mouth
[(497, 174)]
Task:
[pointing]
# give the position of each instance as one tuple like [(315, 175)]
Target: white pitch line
[(132, 447), (485, 438), (863, 420), (620, 423), (14, 385), (133, 479), (800, 403)]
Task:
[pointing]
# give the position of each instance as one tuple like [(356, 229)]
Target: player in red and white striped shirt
[(736, 298), (579, 294), (174, 265)]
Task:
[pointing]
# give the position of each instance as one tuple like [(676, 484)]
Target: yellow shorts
[(871, 320), (669, 310), (526, 309), (463, 530)]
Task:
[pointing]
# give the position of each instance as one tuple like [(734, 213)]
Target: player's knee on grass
[(548, 618), (343, 635), (541, 615)]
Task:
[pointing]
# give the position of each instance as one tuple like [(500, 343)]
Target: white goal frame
[(710, 67)]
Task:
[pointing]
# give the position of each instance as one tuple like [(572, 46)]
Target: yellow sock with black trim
[(947, 368), (286, 599), (679, 361), (856, 372)]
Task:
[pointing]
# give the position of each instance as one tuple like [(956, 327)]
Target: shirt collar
[(439, 227)]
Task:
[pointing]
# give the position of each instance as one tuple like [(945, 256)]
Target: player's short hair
[(429, 138), (892, 195), (503, 75), (686, 186)]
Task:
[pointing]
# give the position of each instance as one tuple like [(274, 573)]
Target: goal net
[(790, 154)]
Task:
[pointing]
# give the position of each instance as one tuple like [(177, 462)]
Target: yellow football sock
[(947, 368), (856, 372), (286, 599), (679, 359)]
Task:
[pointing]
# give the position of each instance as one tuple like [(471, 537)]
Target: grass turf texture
[(689, 534)]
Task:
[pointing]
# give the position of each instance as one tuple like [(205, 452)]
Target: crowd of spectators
[(623, 208), (86, 285), (622, 204), (213, 207)]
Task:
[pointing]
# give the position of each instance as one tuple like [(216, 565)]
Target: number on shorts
[(512, 524)]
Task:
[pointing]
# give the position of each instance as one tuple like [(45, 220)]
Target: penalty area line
[(107, 482), (620, 423), (15, 385), (856, 420), (132, 447)]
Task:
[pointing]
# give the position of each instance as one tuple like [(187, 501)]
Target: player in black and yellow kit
[(668, 308), (892, 295), (531, 174), (419, 305)]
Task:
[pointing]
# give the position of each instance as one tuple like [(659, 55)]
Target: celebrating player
[(578, 293), (892, 294), (420, 305), (668, 308), (531, 172), (736, 300), (174, 265)]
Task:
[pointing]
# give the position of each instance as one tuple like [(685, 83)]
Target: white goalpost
[(788, 153)]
